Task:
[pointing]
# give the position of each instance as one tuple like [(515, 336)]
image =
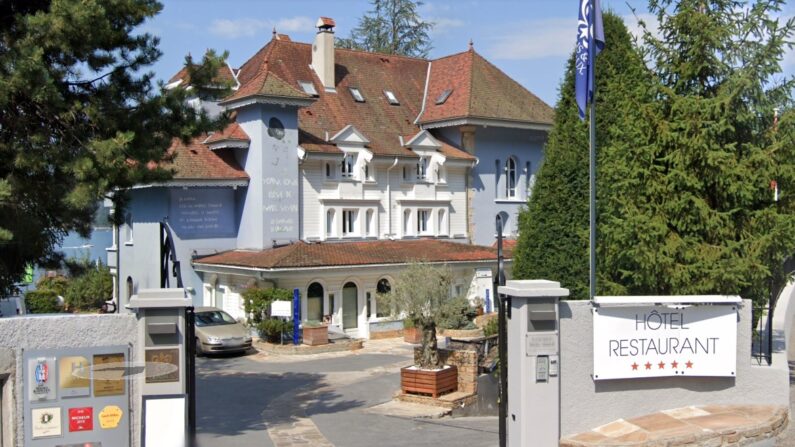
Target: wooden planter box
[(433, 382), (412, 335), (314, 336)]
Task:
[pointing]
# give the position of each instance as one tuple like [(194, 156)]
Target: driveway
[(319, 400)]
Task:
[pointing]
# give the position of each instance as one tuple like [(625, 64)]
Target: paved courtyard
[(319, 400)]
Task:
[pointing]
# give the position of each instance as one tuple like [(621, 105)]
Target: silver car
[(217, 331)]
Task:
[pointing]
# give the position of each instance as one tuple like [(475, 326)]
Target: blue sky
[(528, 39)]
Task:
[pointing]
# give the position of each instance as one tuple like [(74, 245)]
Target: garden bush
[(43, 301), (257, 303), (271, 329), (90, 290)]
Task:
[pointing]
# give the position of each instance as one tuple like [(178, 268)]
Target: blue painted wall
[(493, 146), (214, 228)]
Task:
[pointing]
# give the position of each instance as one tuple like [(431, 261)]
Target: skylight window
[(443, 97), (391, 98), (357, 95), (308, 87)]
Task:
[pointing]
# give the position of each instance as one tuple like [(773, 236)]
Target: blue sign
[(203, 213), (488, 302), (296, 315)]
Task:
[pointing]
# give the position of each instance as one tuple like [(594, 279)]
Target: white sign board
[(655, 341), (164, 422), (282, 309)]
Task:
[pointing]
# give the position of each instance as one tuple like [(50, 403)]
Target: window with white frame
[(406, 174), (329, 171), (423, 221), (346, 168), (442, 222), (369, 222), (422, 169), (510, 178), (330, 223), (348, 222), (529, 180)]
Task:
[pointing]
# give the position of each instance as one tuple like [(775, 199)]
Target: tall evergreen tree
[(692, 211), (391, 27), (553, 237), (78, 119)]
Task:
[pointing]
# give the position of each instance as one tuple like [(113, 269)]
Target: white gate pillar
[(533, 362)]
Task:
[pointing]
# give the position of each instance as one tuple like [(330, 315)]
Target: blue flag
[(590, 41)]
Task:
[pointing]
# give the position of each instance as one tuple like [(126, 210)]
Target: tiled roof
[(371, 73), (480, 90), (232, 132), (196, 161), (325, 254), (508, 246), (224, 74)]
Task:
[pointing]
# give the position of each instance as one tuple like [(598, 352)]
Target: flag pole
[(592, 154)]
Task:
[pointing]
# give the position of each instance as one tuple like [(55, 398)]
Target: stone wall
[(465, 361)]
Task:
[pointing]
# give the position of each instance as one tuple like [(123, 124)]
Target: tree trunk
[(430, 352)]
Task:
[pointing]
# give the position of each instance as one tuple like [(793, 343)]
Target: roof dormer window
[(357, 95), (308, 87), (443, 97), (391, 98)]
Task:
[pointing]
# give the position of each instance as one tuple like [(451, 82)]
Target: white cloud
[(442, 25), (553, 37), (247, 27)]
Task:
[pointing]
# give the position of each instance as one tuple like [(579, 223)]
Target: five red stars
[(661, 365)]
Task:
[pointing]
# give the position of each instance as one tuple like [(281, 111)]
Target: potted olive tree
[(422, 294)]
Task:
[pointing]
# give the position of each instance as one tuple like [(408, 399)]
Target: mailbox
[(533, 362)]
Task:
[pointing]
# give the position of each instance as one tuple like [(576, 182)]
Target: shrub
[(42, 301), (257, 303), (457, 315), (313, 324), (491, 327), (90, 290), (271, 329), (57, 284)]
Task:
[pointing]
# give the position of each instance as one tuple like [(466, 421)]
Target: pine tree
[(553, 237), (391, 27), (79, 117), (692, 211)]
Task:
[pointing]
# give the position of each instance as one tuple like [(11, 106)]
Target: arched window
[(382, 288), (129, 288), (330, 223), (314, 302), (529, 180), (350, 306), (497, 172), (510, 178)]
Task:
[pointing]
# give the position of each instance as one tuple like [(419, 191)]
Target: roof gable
[(423, 140), (479, 90), (349, 135)]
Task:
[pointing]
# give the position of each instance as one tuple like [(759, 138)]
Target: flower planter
[(314, 336), (434, 382), (412, 335)]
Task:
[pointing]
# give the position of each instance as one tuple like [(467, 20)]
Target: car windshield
[(213, 318)]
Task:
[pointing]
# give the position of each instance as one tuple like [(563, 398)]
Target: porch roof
[(301, 255)]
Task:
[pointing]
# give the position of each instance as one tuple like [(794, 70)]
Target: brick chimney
[(323, 52)]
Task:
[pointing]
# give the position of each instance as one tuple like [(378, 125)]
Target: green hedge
[(43, 301)]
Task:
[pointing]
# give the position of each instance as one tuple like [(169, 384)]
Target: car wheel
[(199, 351)]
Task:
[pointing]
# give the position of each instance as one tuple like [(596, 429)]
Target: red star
[(661, 365), (634, 366), (689, 364), (674, 365), (647, 365)]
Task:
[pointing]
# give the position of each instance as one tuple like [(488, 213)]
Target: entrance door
[(350, 306)]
